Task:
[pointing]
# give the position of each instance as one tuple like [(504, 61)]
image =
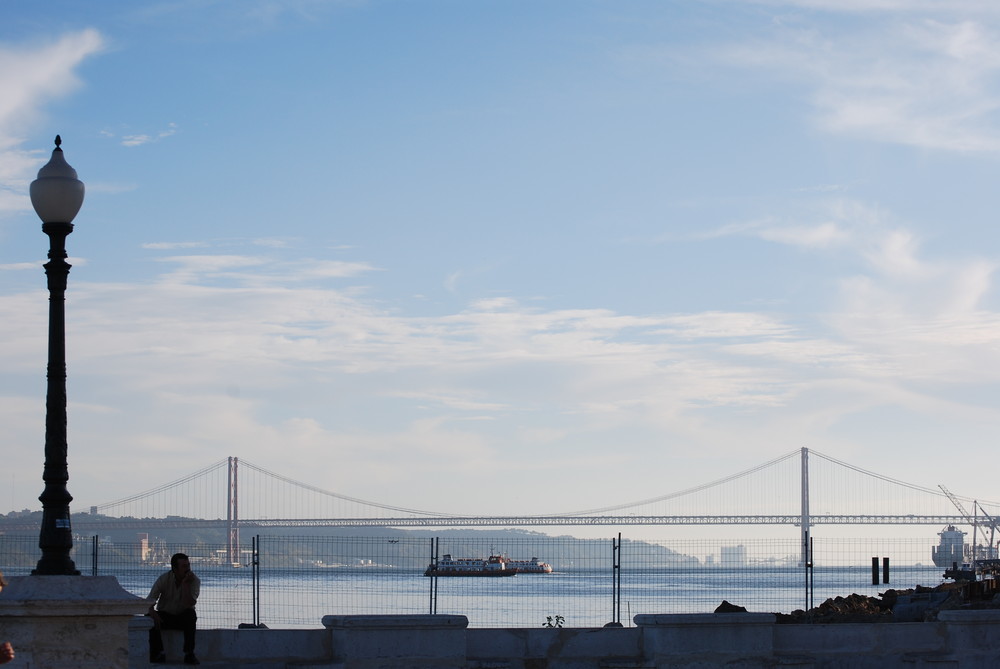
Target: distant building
[(734, 556)]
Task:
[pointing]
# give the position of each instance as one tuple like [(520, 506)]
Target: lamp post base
[(60, 621)]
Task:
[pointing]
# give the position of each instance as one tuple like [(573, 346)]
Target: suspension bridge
[(802, 488)]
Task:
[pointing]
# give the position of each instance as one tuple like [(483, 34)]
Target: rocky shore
[(916, 604)]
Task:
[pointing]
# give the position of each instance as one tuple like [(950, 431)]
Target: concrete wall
[(960, 639), (55, 622)]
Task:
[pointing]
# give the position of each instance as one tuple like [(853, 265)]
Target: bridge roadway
[(83, 522)]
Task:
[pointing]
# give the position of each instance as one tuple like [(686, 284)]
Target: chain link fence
[(292, 582)]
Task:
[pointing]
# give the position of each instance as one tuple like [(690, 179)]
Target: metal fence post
[(616, 579), (255, 576), (433, 577), (812, 576)]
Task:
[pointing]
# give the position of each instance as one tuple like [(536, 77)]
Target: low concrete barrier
[(405, 641), (960, 639)]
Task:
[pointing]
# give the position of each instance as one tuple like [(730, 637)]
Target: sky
[(505, 257)]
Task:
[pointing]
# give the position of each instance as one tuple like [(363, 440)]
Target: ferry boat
[(532, 566), (494, 565)]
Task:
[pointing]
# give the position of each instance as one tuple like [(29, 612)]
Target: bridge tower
[(233, 512), (805, 513)]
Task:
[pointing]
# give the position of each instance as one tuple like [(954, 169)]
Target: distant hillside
[(381, 545)]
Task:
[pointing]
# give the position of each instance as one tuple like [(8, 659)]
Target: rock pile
[(726, 607), (851, 609), (912, 605)]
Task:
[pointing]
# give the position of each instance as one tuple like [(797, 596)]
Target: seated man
[(6, 650), (173, 598)]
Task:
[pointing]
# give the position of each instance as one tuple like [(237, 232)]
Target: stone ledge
[(970, 616), (58, 596), (703, 619), (416, 621)]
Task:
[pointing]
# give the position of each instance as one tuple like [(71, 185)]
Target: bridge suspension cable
[(688, 491), (166, 486), (328, 493), (881, 477)]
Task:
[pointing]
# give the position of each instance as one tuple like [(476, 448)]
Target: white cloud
[(166, 246), (884, 244), (901, 315), (826, 225), (718, 324), (266, 270), (271, 242), (140, 139), (821, 235), (21, 266), (462, 403), (265, 354), (324, 370), (902, 78), (331, 269), (825, 234), (31, 76), (884, 6), (108, 187), (212, 263), (895, 253), (451, 281)]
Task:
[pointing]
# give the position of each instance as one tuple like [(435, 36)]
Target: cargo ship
[(951, 549)]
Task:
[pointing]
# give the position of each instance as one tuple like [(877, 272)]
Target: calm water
[(300, 598)]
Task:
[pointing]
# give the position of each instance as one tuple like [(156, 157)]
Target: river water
[(296, 598)]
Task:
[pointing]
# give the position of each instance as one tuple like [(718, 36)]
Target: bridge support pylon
[(805, 525), (233, 512)]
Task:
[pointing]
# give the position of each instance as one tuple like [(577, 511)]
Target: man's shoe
[(159, 659), (191, 659)]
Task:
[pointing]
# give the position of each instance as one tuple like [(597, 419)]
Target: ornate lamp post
[(57, 196)]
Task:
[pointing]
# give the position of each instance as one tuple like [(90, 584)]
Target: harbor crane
[(972, 520)]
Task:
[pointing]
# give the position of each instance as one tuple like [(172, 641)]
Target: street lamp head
[(57, 194)]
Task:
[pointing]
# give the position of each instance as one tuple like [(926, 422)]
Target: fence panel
[(844, 565), (226, 597), (696, 575), (579, 590), (19, 554), (763, 575), (226, 594), (304, 578)]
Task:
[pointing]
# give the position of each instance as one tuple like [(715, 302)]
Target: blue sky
[(567, 253)]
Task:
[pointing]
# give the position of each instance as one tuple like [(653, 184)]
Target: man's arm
[(190, 589), (154, 594)]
